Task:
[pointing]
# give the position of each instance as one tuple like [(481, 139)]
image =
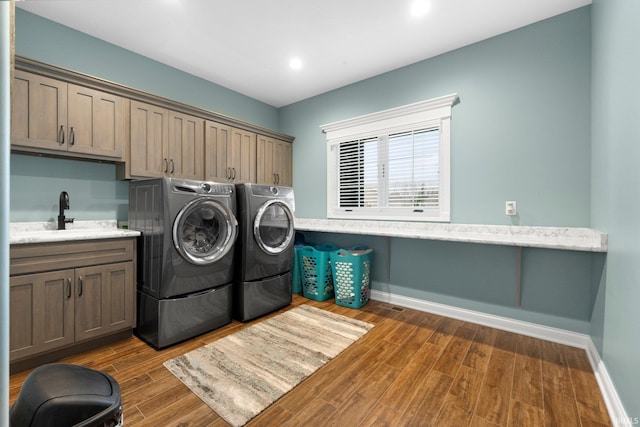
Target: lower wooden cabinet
[(51, 310), (103, 302), (41, 313)]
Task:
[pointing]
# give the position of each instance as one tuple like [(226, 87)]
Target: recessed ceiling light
[(420, 8), (295, 64)]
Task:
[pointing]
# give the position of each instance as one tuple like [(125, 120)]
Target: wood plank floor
[(412, 369)]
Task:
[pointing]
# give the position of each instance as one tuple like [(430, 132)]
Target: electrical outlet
[(510, 208)]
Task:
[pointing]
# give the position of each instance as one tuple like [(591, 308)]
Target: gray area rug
[(240, 375)]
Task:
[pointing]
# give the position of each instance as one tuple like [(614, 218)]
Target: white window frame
[(432, 113)]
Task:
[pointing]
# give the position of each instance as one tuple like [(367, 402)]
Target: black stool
[(58, 395)]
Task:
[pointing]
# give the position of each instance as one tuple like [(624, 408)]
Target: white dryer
[(185, 256), (264, 254)]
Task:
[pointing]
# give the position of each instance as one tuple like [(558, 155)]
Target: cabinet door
[(265, 168), (217, 140), (41, 312), (105, 297), (274, 162), (149, 140), (38, 112), (283, 163), (96, 122), (186, 146), (120, 295), (242, 156)]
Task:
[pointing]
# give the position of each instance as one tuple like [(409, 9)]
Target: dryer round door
[(204, 231), (273, 226)]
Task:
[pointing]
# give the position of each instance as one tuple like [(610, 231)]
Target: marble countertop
[(42, 232), (566, 238)]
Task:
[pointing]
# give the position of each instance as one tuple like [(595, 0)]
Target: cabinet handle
[(229, 173), (234, 174), (172, 166), (72, 136), (80, 286), (68, 287), (277, 179), (166, 166), (61, 135), (274, 178)]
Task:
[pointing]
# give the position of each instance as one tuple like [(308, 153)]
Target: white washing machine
[(185, 257), (264, 254)]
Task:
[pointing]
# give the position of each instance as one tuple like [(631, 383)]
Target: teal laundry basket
[(315, 271), (351, 273)]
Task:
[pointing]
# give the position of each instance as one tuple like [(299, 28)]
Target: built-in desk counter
[(562, 238), (566, 238)]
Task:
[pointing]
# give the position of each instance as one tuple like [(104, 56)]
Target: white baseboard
[(616, 410), (612, 400)]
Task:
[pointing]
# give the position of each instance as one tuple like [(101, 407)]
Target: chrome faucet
[(64, 204)]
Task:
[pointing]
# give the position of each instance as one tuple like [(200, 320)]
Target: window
[(391, 165)]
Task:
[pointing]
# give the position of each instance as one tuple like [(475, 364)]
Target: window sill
[(565, 238)]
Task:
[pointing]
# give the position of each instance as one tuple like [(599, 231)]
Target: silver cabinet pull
[(234, 173), (61, 135), (173, 168), (80, 286), (68, 287), (166, 166), (72, 136)]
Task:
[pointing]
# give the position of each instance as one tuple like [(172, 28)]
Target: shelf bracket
[(518, 276)]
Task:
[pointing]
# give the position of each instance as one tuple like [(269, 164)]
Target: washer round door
[(273, 227), (204, 231)]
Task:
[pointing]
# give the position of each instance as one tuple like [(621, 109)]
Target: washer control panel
[(213, 188), (200, 187)]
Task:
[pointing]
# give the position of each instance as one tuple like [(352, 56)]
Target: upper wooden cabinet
[(217, 142), (53, 116), (242, 156), (149, 140), (63, 113), (38, 112), (165, 143), (230, 153), (274, 162), (186, 146)]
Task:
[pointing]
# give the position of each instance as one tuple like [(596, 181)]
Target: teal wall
[(94, 193), (615, 186), (520, 132)]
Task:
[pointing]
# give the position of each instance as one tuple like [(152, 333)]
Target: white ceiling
[(246, 45)]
